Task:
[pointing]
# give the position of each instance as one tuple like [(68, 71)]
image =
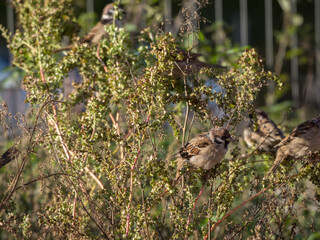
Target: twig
[(190, 214), (239, 206), (209, 207), (55, 121), (29, 148), (191, 124), (131, 192), (112, 118), (42, 178), (101, 61), (145, 213), (94, 177), (187, 113), (131, 185), (74, 207), (184, 128), (231, 117), (80, 200)]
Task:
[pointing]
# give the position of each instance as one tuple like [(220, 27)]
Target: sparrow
[(267, 135), (188, 63), (302, 141), (205, 150), (98, 31)]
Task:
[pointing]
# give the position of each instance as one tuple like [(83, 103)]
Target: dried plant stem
[(227, 126), (94, 177), (190, 214), (145, 213), (239, 206), (184, 127), (116, 125), (28, 150), (131, 184), (209, 207), (95, 218), (55, 120), (74, 207), (131, 192), (101, 61), (185, 124), (165, 191), (42, 178)]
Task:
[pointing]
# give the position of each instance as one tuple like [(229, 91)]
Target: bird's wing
[(194, 147), (300, 130), (93, 32)]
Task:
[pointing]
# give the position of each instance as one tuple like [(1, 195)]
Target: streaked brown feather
[(193, 147)]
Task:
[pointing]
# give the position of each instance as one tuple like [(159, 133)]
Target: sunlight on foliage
[(103, 156)]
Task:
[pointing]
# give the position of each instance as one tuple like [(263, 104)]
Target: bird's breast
[(208, 157)]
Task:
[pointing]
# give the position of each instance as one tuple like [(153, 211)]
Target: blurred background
[(285, 32)]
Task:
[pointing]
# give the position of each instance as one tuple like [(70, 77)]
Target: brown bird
[(267, 135), (188, 63), (98, 31), (205, 150), (304, 140)]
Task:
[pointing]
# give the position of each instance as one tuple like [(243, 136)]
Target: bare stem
[(145, 213), (239, 206), (131, 184), (187, 112), (190, 214), (101, 61), (74, 207)]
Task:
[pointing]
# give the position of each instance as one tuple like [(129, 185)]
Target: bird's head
[(220, 136), (111, 11)]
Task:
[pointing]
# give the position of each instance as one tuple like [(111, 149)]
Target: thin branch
[(105, 234), (42, 178), (239, 206), (167, 190), (101, 61), (131, 184), (28, 150), (145, 213), (209, 207), (187, 113), (74, 207), (94, 177), (190, 214)]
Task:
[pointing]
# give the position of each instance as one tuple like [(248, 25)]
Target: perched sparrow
[(98, 31), (266, 137), (303, 141), (189, 64), (205, 150)]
